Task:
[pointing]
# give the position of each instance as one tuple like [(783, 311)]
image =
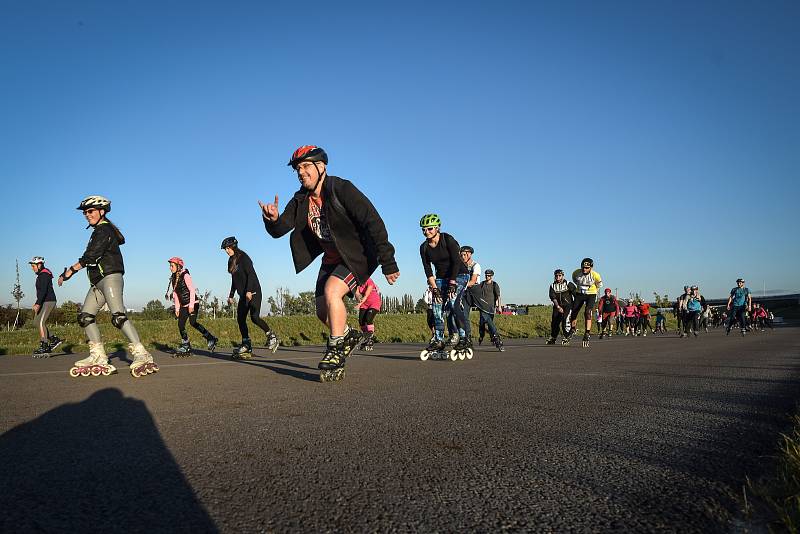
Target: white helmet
[(95, 201), (37, 259)]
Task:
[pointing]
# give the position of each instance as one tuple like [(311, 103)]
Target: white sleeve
[(476, 269)]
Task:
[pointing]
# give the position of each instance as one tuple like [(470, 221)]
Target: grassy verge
[(295, 330), (780, 493)]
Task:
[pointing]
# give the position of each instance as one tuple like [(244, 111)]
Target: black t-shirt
[(445, 258)]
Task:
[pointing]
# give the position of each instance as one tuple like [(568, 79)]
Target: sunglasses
[(430, 229)]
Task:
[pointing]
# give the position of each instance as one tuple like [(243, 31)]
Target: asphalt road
[(645, 434)]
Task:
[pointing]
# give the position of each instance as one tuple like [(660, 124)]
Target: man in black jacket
[(328, 215)]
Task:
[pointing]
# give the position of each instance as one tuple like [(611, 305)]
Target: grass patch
[(781, 493), (295, 330)]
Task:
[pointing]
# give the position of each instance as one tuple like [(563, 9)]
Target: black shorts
[(340, 271), (579, 301)]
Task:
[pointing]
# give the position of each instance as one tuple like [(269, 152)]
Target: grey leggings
[(41, 319), (107, 291)]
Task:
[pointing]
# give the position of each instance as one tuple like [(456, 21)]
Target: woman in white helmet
[(104, 265), (44, 305)]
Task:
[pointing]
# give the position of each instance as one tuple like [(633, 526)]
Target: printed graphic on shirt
[(587, 283), (317, 220)]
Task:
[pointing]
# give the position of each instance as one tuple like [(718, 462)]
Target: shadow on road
[(98, 465)]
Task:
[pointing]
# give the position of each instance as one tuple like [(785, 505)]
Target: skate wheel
[(453, 355), (424, 355), (74, 372), (96, 372), (462, 355), (107, 371), (84, 371), (469, 354)]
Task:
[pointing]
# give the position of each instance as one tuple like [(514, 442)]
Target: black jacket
[(102, 256), (563, 294), (179, 286), (358, 231), (44, 287), (243, 277)]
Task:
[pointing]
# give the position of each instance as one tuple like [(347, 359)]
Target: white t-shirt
[(475, 269)]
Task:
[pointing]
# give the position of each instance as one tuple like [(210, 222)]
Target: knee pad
[(118, 319), (85, 319)]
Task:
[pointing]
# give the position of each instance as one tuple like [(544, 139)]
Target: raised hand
[(270, 211)]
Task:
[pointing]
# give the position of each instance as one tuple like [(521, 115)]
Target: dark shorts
[(338, 270), (580, 300)]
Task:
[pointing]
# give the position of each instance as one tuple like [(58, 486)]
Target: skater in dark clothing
[(329, 216), (561, 295), (186, 306), (244, 281), (45, 304)]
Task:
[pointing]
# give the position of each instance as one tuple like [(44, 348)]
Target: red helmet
[(608, 290), (308, 153), (177, 261)]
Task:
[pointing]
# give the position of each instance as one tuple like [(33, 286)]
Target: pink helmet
[(177, 261)]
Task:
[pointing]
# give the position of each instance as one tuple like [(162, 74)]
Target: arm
[(366, 294), (497, 291), (552, 295), (42, 283), (426, 265), (187, 278), (364, 213), (176, 302), (455, 258), (476, 271), (232, 291), (250, 274)]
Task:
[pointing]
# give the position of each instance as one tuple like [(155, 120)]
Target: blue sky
[(661, 139)]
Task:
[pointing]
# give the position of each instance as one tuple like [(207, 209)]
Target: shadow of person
[(95, 466)]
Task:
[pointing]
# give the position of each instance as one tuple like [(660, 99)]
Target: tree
[(155, 310), (421, 307), (69, 311), (662, 301), (229, 308), (215, 306), (18, 295)]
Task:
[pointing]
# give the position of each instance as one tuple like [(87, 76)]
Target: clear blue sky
[(661, 139)]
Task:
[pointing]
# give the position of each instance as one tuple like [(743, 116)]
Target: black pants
[(559, 320), (252, 308), (183, 315), (691, 321)]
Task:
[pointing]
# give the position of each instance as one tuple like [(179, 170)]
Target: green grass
[(781, 491), (295, 330)]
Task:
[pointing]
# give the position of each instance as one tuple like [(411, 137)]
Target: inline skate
[(586, 339), (184, 350), (498, 343), (435, 350), (461, 350), (243, 351), (272, 342), (95, 364), (43, 350), (143, 363), (212, 342)]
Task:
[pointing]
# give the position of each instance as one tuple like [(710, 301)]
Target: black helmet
[(489, 272), (740, 280), (229, 242), (95, 202), (587, 262), (558, 271), (467, 248), (308, 153)]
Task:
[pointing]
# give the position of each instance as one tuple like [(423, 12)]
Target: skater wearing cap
[(329, 216), (561, 295), (244, 281), (739, 302), (489, 292), (105, 268), (45, 304), (186, 307)]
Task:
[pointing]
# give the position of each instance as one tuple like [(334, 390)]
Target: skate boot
[(43, 351), (480, 340), (332, 363), (54, 342), (682, 335), (243, 351), (744, 332), (351, 340), (460, 350), (143, 363), (550, 341), (272, 342), (727, 330), (212, 342), (567, 338), (602, 334), (452, 340), (694, 332), (498, 343), (434, 350), (366, 343), (184, 350), (94, 365), (586, 339)]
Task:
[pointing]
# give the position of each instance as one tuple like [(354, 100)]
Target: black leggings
[(366, 316), (252, 308), (558, 321), (183, 315)]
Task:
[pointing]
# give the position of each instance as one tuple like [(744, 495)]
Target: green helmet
[(429, 220)]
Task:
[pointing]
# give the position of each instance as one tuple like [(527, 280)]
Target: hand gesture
[(270, 211), (249, 296), (36, 308), (392, 278)]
